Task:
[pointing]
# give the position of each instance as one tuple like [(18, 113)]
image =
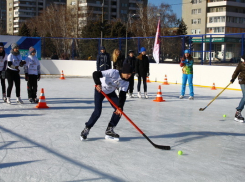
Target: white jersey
[(15, 60), (2, 61), (32, 66), (112, 80)]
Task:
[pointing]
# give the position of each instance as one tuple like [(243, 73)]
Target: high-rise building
[(110, 9), (2, 16), (215, 17), (18, 11)]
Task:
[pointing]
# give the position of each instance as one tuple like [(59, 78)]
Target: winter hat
[(102, 48), (32, 50), (142, 49), (243, 58), (130, 51), (187, 51), (127, 68), (14, 45), (1, 44)]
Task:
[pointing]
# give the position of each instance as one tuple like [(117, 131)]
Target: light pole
[(102, 22), (129, 18)]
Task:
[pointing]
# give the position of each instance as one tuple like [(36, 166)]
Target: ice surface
[(44, 145)]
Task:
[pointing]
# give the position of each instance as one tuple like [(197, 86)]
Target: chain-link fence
[(215, 49)]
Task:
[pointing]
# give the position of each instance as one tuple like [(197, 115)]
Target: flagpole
[(159, 18)]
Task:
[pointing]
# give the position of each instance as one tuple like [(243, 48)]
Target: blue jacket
[(103, 61)]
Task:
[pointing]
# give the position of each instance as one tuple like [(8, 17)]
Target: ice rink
[(44, 144)]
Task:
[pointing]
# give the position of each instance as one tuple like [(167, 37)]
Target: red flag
[(156, 49)]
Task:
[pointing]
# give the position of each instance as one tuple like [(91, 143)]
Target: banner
[(24, 44), (156, 49)]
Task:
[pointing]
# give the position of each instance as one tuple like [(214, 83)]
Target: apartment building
[(2, 16), (18, 11), (112, 9), (213, 17)]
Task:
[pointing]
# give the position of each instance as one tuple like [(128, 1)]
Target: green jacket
[(240, 72), (187, 66)]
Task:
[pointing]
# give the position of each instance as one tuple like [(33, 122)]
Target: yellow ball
[(224, 115), (180, 152)]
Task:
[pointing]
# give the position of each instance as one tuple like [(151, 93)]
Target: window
[(73, 3), (196, 21), (195, 11)]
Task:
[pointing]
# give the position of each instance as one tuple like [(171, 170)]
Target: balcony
[(16, 26), (225, 3)]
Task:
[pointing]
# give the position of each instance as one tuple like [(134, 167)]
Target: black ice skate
[(31, 100), (238, 117), (84, 133), (110, 134), (36, 100)]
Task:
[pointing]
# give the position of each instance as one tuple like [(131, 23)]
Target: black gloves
[(232, 80), (38, 77), (26, 77)]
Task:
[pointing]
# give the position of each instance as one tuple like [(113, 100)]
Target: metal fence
[(215, 49)]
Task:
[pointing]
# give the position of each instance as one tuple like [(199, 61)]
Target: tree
[(24, 31), (34, 33), (48, 47), (182, 28)]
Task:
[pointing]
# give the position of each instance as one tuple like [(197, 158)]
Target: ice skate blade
[(107, 137), (237, 120), (82, 139)]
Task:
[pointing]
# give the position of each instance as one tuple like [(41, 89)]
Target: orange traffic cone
[(42, 102), (159, 95), (147, 80), (62, 76), (213, 87), (165, 81)]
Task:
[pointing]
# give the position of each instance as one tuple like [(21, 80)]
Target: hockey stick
[(155, 145), (202, 109)]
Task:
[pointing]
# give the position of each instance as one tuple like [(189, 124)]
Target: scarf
[(15, 53)]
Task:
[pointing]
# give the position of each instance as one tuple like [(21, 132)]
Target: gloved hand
[(38, 77), (232, 80), (136, 74), (26, 77), (148, 74), (22, 63)]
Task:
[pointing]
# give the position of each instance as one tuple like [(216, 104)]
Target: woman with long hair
[(187, 69), (117, 59)]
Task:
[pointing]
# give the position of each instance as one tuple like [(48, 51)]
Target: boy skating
[(32, 74), (108, 81)]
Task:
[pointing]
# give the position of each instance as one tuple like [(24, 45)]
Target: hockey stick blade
[(157, 146), (202, 109)]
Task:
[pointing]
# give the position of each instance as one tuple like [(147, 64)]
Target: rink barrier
[(204, 75)]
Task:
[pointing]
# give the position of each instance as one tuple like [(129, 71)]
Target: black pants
[(3, 84), (13, 77), (144, 82), (131, 84), (98, 99), (32, 86)]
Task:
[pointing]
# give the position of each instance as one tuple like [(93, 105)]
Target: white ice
[(44, 144)]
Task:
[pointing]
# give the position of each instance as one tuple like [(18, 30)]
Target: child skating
[(108, 81), (32, 74), (240, 72)]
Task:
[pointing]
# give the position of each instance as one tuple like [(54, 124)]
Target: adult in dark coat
[(117, 59), (131, 60), (103, 60), (142, 70)]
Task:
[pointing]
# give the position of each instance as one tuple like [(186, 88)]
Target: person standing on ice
[(108, 81), (240, 72), (12, 74), (103, 60), (187, 64), (142, 70), (131, 60), (32, 74), (3, 66)]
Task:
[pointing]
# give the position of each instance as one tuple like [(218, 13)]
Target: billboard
[(24, 44)]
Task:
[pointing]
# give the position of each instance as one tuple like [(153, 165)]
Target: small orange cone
[(42, 102), (213, 87), (147, 80), (165, 81), (159, 95), (62, 76)]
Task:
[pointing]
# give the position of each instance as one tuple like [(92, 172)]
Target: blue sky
[(176, 5)]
